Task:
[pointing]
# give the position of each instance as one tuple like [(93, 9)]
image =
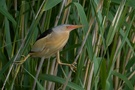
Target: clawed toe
[(21, 61), (73, 66), (23, 56), (18, 62)]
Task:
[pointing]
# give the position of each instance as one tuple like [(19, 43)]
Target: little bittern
[(51, 41)]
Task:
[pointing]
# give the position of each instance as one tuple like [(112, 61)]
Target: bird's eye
[(69, 27)]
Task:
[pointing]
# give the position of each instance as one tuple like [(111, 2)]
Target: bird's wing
[(44, 34), (40, 44)]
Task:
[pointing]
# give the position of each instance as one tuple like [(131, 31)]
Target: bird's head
[(65, 28)]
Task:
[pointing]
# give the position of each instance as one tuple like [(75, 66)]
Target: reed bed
[(104, 48)]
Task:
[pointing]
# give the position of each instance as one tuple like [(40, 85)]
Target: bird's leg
[(23, 60), (18, 66), (72, 66)]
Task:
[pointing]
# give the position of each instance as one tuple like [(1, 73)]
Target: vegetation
[(104, 48)]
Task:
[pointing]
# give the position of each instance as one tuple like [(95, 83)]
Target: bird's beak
[(72, 27)]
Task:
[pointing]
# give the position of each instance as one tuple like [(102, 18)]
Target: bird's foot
[(21, 61), (73, 66)]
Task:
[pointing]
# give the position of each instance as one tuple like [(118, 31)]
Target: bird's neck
[(61, 32)]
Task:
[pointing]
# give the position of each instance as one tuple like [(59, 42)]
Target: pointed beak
[(72, 27)]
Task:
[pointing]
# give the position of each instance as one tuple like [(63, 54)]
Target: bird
[(51, 41), (48, 44)]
